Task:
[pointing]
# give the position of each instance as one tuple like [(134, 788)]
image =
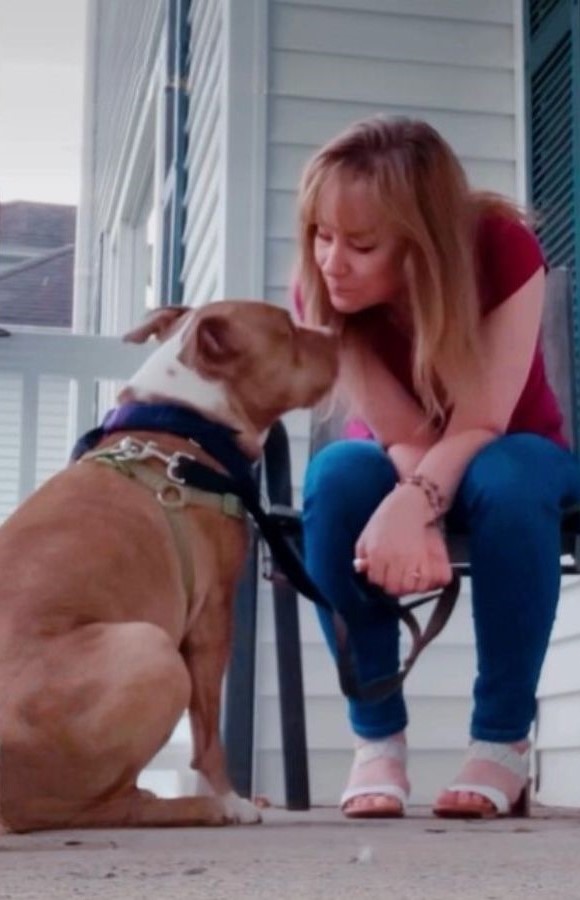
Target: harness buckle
[(173, 463), (171, 496), (132, 449)]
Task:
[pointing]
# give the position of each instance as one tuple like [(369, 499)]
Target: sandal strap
[(515, 766), (386, 748), (502, 754)]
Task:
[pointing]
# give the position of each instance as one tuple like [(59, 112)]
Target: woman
[(437, 291)]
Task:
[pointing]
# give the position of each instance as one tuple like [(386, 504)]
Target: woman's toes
[(372, 804), (465, 800)]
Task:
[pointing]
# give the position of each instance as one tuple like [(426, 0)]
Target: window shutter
[(176, 105), (552, 49)]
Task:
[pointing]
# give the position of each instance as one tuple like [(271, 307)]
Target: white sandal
[(392, 751), (497, 772)]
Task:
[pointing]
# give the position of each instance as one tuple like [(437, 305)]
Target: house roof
[(39, 289), (40, 226)]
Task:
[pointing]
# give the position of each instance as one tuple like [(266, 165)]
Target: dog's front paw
[(240, 811)]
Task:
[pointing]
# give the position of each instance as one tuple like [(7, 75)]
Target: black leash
[(219, 442), (290, 564)]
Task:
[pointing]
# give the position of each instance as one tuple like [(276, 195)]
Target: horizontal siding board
[(561, 672), (567, 624), (559, 784), (305, 122), (298, 126), (495, 11), (364, 34), (458, 632), (279, 262), (558, 724), (282, 210), (558, 720), (383, 82), (430, 677), (492, 176), (327, 726)]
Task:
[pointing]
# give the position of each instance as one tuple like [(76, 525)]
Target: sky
[(42, 46)]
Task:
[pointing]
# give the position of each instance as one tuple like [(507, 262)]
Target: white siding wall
[(330, 63), (205, 152), (558, 721)]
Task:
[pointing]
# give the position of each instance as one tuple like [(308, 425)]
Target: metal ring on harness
[(177, 501)]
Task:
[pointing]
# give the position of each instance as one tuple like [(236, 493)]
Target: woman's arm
[(484, 400), (395, 542), (394, 417)]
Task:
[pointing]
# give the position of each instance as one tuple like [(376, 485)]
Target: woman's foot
[(377, 787), (493, 782)]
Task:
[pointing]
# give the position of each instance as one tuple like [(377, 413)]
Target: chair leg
[(292, 715), (240, 684), (291, 691)]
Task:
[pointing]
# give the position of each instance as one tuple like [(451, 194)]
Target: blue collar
[(217, 440)]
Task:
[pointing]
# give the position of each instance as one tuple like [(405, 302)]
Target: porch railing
[(53, 387)]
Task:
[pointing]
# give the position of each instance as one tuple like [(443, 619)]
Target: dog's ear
[(209, 344), (159, 322)]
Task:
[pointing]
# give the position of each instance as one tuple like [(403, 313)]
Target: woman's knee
[(348, 472), (509, 477)]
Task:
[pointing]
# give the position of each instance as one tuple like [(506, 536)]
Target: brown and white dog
[(102, 647)]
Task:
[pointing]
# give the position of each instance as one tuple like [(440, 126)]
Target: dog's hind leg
[(111, 696), (141, 809)]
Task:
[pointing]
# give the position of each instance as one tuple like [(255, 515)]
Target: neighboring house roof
[(39, 292), (38, 289), (41, 226)]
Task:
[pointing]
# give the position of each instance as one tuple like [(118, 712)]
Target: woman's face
[(360, 262)]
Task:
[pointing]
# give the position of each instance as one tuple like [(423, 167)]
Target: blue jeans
[(509, 502)]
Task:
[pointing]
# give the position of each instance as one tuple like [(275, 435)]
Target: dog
[(114, 619)]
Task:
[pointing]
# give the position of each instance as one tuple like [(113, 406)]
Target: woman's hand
[(399, 551)]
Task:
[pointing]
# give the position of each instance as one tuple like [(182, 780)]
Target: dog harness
[(129, 458), (219, 442)]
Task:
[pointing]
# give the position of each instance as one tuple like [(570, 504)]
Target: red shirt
[(507, 255)]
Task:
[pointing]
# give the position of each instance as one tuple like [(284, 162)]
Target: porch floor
[(304, 856)]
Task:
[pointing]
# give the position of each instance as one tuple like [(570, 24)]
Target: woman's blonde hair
[(432, 213)]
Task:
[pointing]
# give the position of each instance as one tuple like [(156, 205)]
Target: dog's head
[(241, 362)]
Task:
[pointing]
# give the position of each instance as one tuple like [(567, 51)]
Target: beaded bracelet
[(431, 490)]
